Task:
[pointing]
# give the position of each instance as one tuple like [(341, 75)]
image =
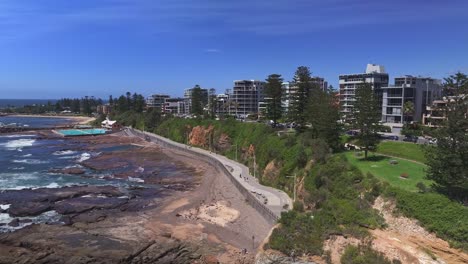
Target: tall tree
[(212, 103), (455, 83), (299, 99), (323, 116), (111, 100), (448, 160), (408, 111), (197, 101), (366, 116), (274, 91)]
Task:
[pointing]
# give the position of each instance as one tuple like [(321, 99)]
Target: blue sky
[(62, 48)]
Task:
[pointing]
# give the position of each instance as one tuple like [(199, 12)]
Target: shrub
[(362, 255), (421, 187)]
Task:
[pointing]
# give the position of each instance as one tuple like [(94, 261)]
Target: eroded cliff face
[(199, 136), (271, 171)]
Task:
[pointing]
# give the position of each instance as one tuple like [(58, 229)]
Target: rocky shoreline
[(138, 222)]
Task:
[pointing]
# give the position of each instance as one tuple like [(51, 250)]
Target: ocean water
[(26, 162), (4, 103), (34, 121)]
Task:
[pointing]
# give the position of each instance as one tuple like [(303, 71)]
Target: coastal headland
[(174, 208)]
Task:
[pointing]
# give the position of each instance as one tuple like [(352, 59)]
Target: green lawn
[(381, 168), (403, 150)]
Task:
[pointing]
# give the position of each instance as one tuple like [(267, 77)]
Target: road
[(274, 199)]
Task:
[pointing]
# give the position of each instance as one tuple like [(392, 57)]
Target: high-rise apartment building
[(375, 75), (156, 100), (245, 97), (188, 98), (420, 91)]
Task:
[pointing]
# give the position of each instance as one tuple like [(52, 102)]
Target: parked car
[(352, 132), (389, 137), (413, 139)]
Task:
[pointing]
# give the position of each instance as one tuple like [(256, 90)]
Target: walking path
[(272, 198)]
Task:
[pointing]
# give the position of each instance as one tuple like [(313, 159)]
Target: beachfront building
[(246, 94), (188, 95), (375, 75), (419, 91), (156, 100), (175, 106), (110, 124)]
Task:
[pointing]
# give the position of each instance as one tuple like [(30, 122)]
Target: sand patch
[(218, 213), (174, 205)]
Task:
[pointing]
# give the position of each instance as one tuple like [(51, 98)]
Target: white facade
[(375, 75)]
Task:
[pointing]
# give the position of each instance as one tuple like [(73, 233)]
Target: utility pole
[(254, 165), (236, 150), (294, 191)]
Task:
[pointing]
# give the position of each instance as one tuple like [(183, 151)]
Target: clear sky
[(65, 48)]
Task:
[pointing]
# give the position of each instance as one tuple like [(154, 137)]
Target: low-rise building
[(419, 91), (175, 106), (436, 113)]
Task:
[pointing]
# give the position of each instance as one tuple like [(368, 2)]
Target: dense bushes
[(448, 219), (339, 208), (363, 255)]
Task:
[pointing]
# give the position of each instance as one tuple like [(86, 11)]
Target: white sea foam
[(31, 161), (52, 185), (19, 143), (70, 157), (64, 152), (26, 155), (84, 156), (4, 206), (49, 216), (16, 168), (140, 169), (135, 179), (17, 136)]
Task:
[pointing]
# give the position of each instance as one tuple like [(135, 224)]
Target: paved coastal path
[(272, 198)]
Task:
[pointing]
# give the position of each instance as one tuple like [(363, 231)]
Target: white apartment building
[(375, 75)]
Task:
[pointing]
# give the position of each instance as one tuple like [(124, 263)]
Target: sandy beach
[(81, 120), (197, 217)]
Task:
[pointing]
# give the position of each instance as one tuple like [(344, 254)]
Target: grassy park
[(391, 170), (403, 150)]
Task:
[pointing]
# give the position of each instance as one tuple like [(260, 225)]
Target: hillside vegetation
[(335, 197)]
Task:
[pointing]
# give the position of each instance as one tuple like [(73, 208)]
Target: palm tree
[(408, 110)]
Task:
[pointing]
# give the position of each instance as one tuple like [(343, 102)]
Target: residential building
[(291, 88), (222, 104), (246, 95), (188, 98), (175, 106), (102, 109), (436, 114), (156, 100), (375, 75), (420, 91)]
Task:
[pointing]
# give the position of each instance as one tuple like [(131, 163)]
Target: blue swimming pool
[(82, 132)]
